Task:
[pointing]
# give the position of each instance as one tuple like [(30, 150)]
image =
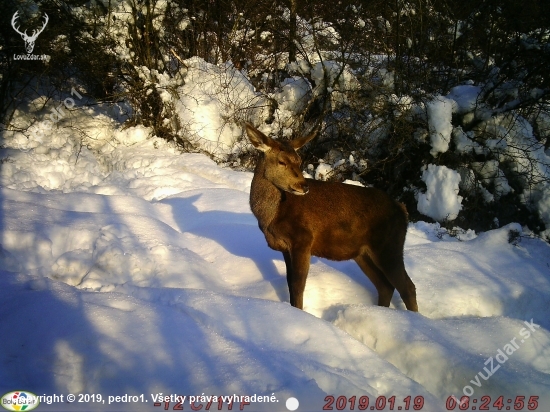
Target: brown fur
[(303, 217)]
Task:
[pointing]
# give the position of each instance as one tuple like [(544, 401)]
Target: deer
[(305, 217), (29, 40)]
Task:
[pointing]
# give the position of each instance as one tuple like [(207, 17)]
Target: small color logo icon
[(19, 401)]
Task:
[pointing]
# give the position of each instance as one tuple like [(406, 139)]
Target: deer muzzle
[(300, 189)]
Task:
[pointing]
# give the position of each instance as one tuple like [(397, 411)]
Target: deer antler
[(35, 32), (13, 19)]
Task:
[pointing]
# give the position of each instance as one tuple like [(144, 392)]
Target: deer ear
[(258, 139), (301, 141)]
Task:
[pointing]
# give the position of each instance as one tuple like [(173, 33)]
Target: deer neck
[(265, 197)]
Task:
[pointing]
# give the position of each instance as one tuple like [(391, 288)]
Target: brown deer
[(303, 217)]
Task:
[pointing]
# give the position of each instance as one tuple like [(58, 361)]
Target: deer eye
[(281, 163)]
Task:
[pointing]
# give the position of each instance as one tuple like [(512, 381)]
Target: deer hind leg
[(394, 269), (383, 286), (297, 268), (408, 292)]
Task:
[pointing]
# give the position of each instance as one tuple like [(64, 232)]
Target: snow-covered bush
[(395, 87), (441, 200), (213, 104)]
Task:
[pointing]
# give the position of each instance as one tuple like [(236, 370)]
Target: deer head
[(29, 40), (282, 161)]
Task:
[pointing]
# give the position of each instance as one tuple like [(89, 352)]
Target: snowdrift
[(135, 269)]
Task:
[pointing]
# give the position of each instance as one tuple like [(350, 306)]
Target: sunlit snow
[(132, 268)]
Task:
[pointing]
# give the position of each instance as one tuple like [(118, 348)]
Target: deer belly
[(336, 245)]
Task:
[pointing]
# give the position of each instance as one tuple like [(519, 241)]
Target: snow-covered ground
[(129, 268)]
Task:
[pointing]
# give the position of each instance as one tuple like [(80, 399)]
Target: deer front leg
[(297, 268), (288, 264)]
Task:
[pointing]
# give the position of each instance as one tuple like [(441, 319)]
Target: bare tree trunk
[(292, 32)]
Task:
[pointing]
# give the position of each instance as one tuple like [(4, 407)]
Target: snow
[(294, 95), (132, 268), (441, 200), (514, 142), (506, 144), (465, 98), (329, 76), (464, 143), (213, 102), (440, 112), (490, 172), (323, 171)]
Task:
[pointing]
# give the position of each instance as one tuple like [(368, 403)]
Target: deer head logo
[(29, 40)]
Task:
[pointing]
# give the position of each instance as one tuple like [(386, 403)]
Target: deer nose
[(302, 189), (299, 188)]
